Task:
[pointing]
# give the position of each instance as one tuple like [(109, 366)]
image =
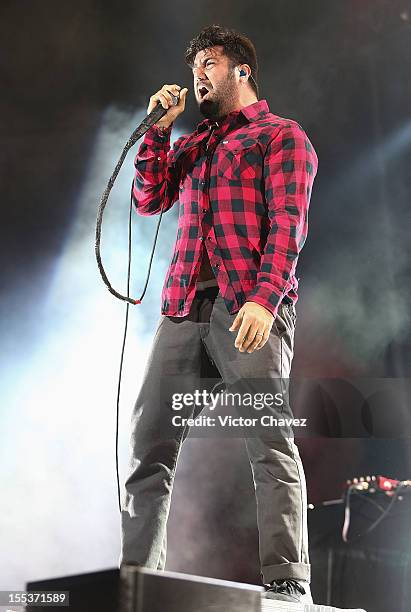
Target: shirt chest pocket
[(239, 160)]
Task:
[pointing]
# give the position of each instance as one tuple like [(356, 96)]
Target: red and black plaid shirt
[(243, 186)]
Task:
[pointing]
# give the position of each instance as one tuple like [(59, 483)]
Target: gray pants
[(191, 347)]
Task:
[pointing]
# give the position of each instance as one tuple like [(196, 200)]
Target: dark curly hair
[(237, 47)]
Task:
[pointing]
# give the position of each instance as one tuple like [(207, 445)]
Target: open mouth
[(203, 91)]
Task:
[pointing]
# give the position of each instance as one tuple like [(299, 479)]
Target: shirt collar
[(252, 112)]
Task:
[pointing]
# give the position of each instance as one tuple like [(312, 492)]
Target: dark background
[(341, 69)]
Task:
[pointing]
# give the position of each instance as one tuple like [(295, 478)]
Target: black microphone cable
[(155, 115)]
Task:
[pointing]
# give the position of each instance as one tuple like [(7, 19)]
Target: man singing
[(243, 181)]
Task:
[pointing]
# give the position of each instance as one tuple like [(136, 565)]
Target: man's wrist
[(267, 310), (163, 128)]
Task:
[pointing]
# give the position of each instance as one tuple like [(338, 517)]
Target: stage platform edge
[(145, 590)]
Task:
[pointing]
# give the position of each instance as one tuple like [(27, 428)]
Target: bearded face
[(215, 87)]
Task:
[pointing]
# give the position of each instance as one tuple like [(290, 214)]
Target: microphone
[(159, 111), (152, 118)]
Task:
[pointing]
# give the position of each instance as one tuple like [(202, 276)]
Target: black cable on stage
[(156, 114)]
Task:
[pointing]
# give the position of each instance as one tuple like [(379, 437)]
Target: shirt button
[(204, 210), (201, 237), (159, 158), (208, 237)]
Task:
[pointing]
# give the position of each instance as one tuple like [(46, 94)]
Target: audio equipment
[(371, 568), (373, 484)]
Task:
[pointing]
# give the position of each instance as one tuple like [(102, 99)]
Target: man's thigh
[(178, 364), (258, 381)]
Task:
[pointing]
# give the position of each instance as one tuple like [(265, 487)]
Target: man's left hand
[(254, 323)]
